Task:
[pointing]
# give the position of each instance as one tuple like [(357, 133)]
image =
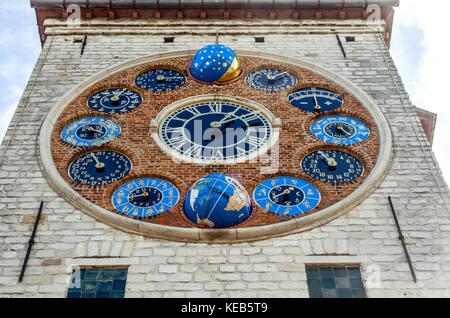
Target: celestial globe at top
[(217, 201), (215, 64)]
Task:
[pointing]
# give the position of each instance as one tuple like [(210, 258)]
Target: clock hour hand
[(285, 192), (93, 130), (163, 79), (317, 107), (100, 166), (342, 129), (143, 195), (329, 161), (116, 98), (271, 79)]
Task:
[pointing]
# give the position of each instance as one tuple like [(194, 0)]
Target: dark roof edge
[(186, 4)]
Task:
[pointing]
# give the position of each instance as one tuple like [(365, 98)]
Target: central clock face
[(215, 131), (152, 151)]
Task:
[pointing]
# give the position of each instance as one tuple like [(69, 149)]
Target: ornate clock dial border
[(167, 111), (216, 236)]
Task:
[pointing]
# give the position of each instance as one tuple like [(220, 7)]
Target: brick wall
[(269, 268)]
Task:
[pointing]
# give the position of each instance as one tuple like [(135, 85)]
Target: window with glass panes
[(98, 283), (335, 282)]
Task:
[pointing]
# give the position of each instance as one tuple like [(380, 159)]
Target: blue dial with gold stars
[(286, 196), (271, 80), (90, 132), (115, 101), (331, 166), (161, 80), (316, 100), (340, 130), (99, 168), (145, 197)]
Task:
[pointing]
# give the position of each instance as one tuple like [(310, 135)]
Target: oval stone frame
[(225, 236)]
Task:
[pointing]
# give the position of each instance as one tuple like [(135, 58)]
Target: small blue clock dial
[(316, 100), (215, 131), (146, 197), (332, 166), (161, 80), (90, 132), (115, 101), (287, 196), (340, 130), (271, 80), (99, 168)]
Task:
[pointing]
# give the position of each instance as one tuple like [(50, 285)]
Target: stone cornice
[(281, 10)]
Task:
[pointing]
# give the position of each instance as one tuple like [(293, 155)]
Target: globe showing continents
[(217, 201)]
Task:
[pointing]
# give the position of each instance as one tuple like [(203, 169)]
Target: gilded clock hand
[(280, 76), (287, 191), (100, 166), (271, 79), (329, 161), (173, 79), (144, 195), (116, 98), (342, 129), (317, 107), (94, 130), (224, 123), (162, 79)]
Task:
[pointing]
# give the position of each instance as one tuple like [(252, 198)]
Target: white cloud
[(432, 81)]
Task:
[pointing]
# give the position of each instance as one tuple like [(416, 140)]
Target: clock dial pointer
[(329, 161), (116, 98), (143, 195), (174, 79), (100, 166), (342, 129), (280, 76), (91, 129), (271, 79), (285, 192), (317, 107)]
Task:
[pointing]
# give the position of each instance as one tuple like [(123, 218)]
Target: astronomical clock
[(214, 145)]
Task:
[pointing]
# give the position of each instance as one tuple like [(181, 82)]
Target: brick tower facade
[(346, 245)]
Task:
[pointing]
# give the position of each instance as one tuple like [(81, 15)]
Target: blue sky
[(418, 48)]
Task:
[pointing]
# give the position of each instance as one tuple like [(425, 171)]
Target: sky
[(419, 48)]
